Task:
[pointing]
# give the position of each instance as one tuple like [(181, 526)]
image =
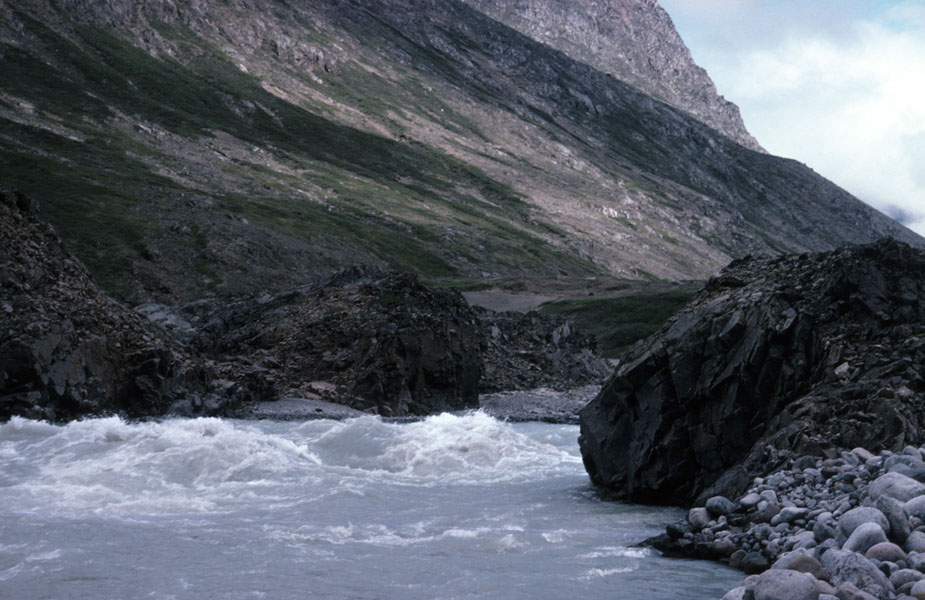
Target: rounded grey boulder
[(698, 518), (778, 584), (896, 485), (864, 537), (915, 507), (856, 517), (850, 567)]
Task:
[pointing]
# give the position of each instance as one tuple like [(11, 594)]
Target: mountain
[(636, 42), (184, 148)]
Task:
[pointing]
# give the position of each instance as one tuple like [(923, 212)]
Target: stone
[(749, 500), (766, 511), (915, 507), (698, 518), (918, 590), (755, 562), (807, 564), (904, 576), (896, 485), (850, 567), (777, 584), (856, 517), (864, 537), (916, 560), (862, 454), (915, 542), (896, 515), (719, 505), (849, 591), (885, 552), (735, 593)]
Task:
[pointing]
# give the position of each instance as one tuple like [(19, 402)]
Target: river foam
[(452, 506)]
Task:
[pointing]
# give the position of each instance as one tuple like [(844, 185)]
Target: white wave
[(108, 466), (618, 552), (598, 573), (473, 448)]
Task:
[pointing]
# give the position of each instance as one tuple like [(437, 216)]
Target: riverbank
[(849, 526)]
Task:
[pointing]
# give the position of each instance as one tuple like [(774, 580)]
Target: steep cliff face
[(803, 354), (633, 40), (185, 148)]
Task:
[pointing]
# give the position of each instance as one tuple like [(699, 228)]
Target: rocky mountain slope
[(756, 369), (633, 40), (185, 148)]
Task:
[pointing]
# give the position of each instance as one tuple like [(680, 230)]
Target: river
[(450, 507)]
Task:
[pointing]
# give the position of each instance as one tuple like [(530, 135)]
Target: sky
[(836, 84)]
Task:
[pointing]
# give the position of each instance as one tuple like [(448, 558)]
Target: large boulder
[(776, 358)]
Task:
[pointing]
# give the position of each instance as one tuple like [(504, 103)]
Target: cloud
[(845, 97)]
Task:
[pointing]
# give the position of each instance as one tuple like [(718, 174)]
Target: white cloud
[(849, 100)]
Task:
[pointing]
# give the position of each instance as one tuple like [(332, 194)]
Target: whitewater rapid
[(448, 507)]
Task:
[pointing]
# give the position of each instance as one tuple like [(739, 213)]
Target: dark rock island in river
[(798, 355)]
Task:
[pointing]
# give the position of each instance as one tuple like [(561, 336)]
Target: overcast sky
[(836, 84)]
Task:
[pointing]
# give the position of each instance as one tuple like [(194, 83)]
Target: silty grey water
[(449, 507)]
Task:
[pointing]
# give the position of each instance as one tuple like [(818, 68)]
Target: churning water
[(449, 507)]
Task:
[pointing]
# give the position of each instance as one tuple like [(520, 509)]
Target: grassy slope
[(389, 200), (619, 322)]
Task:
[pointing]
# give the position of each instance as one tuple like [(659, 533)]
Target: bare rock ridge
[(375, 341), (635, 41), (800, 355), (241, 146)]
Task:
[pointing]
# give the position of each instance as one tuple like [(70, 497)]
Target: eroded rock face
[(804, 354), (66, 348), (386, 342)]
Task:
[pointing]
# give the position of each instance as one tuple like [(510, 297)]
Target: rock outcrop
[(67, 349), (802, 354), (533, 350), (379, 341), (372, 340)]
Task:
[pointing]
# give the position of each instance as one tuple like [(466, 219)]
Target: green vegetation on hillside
[(619, 322), (386, 200)]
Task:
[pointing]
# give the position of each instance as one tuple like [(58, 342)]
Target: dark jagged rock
[(372, 340), (801, 354), (380, 341), (532, 350), (69, 350)]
